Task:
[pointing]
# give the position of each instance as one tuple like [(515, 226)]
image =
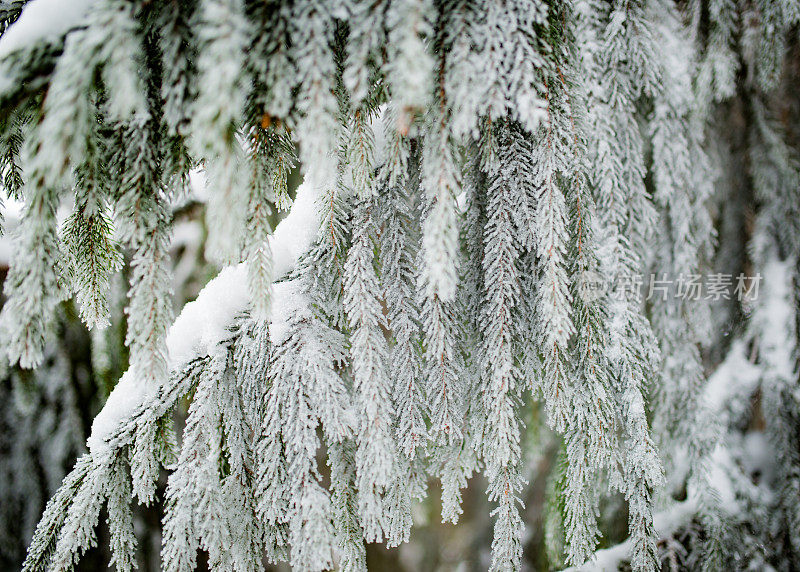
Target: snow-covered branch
[(205, 322)]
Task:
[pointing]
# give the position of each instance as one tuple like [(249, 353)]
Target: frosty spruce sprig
[(418, 314)]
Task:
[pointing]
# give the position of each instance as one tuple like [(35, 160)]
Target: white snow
[(186, 235), (124, 399), (759, 456), (43, 20), (11, 210), (380, 144), (294, 234), (198, 183), (736, 374), (720, 470), (290, 298), (203, 323), (775, 314), (665, 522)]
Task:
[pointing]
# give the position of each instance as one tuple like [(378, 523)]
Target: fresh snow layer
[(43, 20), (290, 298), (294, 234), (203, 323), (122, 402)]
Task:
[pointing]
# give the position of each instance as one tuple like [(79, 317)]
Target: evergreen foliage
[(421, 310)]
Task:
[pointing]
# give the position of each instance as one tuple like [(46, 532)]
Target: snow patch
[(203, 323), (295, 233), (43, 20), (290, 298), (775, 316), (736, 374), (665, 523), (123, 401), (720, 470)]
